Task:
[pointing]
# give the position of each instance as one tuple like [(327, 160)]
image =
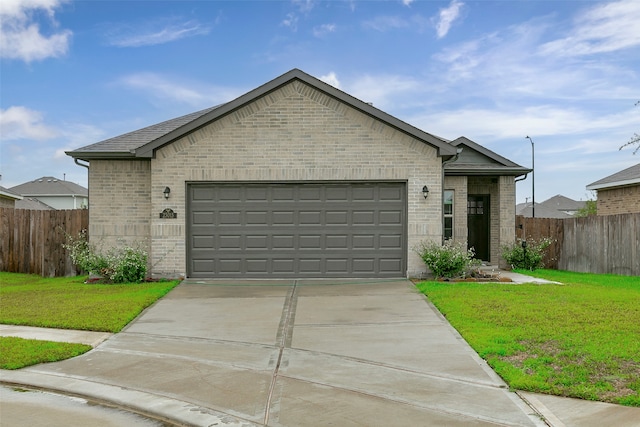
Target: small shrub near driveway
[(526, 255), (119, 265), (447, 260)]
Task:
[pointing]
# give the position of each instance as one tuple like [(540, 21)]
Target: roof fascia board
[(444, 149), (101, 155), (482, 150), (10, 195), (487, 172), (608, 185)]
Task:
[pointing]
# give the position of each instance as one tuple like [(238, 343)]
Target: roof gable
[(629, 176), (478, 160), (143, 143)]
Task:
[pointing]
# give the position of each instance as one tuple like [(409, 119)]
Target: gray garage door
[(296, 230)]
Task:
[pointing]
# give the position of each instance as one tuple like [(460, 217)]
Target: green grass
[(69, 303), (16, 353), (578, 339)]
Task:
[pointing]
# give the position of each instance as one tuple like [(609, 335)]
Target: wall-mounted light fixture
[(166, 192), (425, 192)]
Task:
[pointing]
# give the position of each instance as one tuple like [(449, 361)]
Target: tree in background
[(635, 139), (590, 208)]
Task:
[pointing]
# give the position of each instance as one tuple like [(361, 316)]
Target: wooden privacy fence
[(594, 244), (31, 240)]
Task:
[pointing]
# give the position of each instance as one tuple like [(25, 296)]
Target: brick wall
[(292, 134), (120, 202), (619, 200)]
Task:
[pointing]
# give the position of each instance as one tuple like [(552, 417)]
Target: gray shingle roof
[(629, 176), (136, 139), (478, 160), (8, 194), (563, 203), (142, 143), (50, 186), (32, 203)]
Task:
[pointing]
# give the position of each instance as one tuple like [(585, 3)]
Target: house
[(618, 193), (33, 204), (8, 198), (54, 192), (557, 206), (296, 179)]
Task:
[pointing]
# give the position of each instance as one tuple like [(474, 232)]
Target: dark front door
[(478, 225)]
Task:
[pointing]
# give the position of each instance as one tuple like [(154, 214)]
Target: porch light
[(166, 192), (425, 192)]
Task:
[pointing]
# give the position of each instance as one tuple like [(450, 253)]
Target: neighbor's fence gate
[(31, 240), (594, 244)]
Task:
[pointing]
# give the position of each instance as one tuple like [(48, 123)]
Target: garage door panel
[(297, 230)]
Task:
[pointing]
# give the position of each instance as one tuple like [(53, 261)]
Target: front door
[(478, 224)]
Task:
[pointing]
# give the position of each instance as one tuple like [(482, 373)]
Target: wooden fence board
[(31, 240), (594, 244)]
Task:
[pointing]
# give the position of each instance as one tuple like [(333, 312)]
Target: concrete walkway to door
[(291, 353)]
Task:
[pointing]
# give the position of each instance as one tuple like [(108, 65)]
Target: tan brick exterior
[(120, 212), (619, 200), (293, 134)]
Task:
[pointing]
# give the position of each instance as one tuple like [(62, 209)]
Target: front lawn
[(66, 303), (578, 339), (69, 303), (16, 353)]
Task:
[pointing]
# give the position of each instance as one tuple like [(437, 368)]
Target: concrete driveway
[(292, 353)]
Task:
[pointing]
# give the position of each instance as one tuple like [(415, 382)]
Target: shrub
[(529, 258), (119, 265), (447, 260)]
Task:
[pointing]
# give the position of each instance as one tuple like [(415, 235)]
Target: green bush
[(119, 265), (447, 260), (529, 258)]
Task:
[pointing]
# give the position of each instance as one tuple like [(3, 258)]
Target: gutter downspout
[(446, 162), (77, 162)]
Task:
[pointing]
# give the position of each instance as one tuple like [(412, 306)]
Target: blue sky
[(565, 73)]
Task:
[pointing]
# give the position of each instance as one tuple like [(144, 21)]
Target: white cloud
[(447, 16), (331, 79), (385, 23), (291, 21), (20, 35), (510, 123), (383, 90), (22, 123), (154, 32), (407, 2), (324, 29), (195, 94), (603, 28)]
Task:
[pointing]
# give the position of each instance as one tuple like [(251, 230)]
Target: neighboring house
[(8, 198), (618, 193), (32, 203), (54, 192), (557, 206), (296, 179)]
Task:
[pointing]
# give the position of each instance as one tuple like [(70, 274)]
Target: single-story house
[(8, 198), (618, 193), (296, 178), (54, 192), (558, 206)]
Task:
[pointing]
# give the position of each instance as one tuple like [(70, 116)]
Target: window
[(447, 211)]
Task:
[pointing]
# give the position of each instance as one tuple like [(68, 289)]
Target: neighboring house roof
[(143, 143), (478, 160), (542, 211), (50, 186), (563, 203), (32, 203), (629, 176), (5, 193)]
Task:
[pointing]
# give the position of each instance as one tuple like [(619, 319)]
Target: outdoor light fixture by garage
[(166, 192), (425, 191)]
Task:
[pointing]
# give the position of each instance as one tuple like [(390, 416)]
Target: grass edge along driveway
[(578, 339), (66, 303)]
